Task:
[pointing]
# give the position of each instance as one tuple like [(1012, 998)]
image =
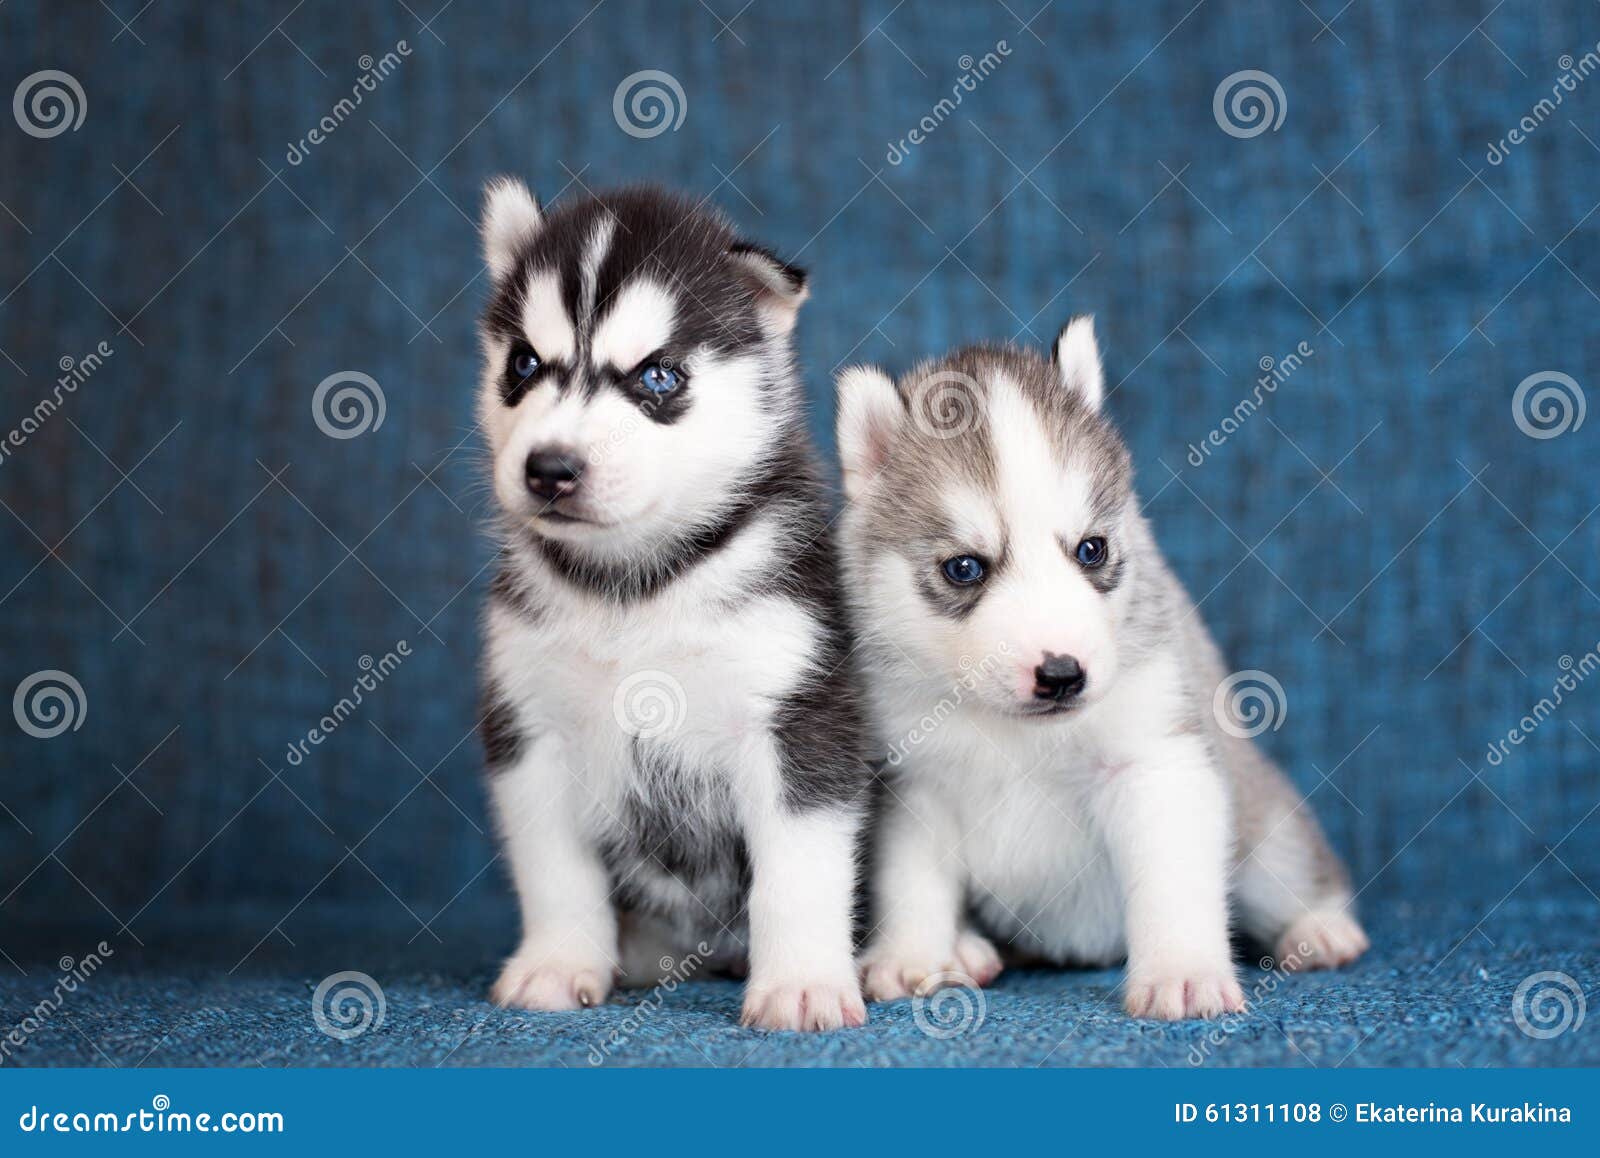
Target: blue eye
[(1092, 551), (524, 363), (963, 570), (659, 379)]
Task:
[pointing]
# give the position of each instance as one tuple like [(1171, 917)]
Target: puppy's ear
[(870, 411), (779, 287), (1077, 359), (511, 219)]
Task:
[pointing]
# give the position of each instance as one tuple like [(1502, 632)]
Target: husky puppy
[(674, 736), (1060, 780)]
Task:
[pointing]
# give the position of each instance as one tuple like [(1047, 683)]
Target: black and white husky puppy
[(673, 728), (1063, 778)]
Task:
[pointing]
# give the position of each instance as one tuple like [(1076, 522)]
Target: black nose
[(553, 473), (1058, 678)]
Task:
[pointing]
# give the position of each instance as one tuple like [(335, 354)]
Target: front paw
[(1175, 994), (891, 972), (805, 1006), (546, 981)]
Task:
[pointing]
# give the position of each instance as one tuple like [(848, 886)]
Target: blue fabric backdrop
[(182, 539)]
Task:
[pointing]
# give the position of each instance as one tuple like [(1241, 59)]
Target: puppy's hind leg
[(1290, 891)]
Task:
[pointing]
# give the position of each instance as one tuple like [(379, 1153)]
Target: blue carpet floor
[(1436, 990)]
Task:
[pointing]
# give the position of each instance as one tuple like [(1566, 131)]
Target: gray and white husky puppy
[(1060, 779), (674, 733)]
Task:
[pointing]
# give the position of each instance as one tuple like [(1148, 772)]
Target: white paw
[(1172, 995), (531, 980), (889, 972), (807, 1007), (1323, 939)]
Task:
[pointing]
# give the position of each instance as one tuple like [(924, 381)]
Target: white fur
[(639, 322), (869, 413), (1077, 356), (511, 219)]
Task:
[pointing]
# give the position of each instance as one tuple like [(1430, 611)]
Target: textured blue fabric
[(1424, 996), (1381, 536)]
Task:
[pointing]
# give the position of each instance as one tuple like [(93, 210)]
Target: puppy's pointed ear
[(511, 219), (1077, 359), (870, 411), (780, 288)]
